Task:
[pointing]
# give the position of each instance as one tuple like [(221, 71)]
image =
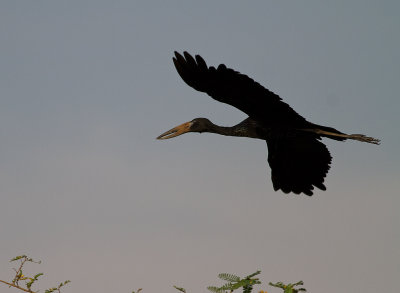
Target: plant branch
[(16, 286)]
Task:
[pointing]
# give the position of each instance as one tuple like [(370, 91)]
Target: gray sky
[(86, 86)]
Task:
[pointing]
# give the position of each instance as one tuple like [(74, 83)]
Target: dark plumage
[(298, 160)]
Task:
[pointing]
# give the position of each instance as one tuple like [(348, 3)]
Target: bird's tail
[(332, 133)]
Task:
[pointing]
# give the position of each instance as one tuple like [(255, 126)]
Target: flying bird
[(299, 161)]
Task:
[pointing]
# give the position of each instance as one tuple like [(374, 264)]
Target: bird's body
[(298, 159)]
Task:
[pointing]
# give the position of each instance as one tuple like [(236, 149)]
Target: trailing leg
[(343, 136)]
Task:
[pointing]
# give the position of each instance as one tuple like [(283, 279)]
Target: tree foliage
[(25, 283), (233, 282)]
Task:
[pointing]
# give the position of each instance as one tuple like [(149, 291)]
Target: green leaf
[(289, 288), (18, 257), (180, 289), (216, 289), (229, 277), (254, 274)]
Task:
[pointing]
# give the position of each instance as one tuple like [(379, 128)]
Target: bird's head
[(196, 125)]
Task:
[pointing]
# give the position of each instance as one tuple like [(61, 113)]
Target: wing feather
[(231, 87), (298, 163)]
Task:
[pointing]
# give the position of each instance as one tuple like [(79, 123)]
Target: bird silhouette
[(299, 161)]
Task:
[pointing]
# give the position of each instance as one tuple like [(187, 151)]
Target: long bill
[(178, 130)]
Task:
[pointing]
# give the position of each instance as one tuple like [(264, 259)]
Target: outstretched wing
[(231, 87), (298, 163)]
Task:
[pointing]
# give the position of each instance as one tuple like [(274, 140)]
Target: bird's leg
[(359, 137)]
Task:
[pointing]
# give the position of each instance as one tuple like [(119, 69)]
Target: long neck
[(246, 128)]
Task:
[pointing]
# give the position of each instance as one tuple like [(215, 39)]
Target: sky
[(87, 86)]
